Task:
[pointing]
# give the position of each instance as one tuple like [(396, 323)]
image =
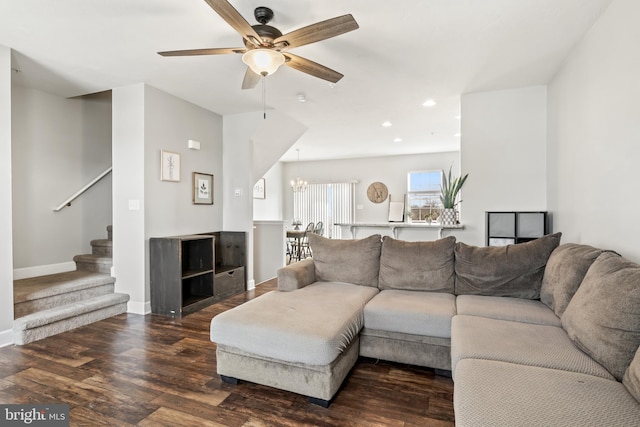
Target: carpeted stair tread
[(93, 258), (55, 284), (57, 314), (96, 263), (102, 247)]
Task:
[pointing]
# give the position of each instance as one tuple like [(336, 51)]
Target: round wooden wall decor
[(377, 192)]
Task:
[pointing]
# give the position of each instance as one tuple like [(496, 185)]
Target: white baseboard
[(251, 284), (136, 307), (43, 270), (6, 338)]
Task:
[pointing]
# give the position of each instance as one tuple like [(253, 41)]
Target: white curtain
[(329, 203)]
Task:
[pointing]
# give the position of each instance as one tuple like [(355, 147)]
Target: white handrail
[(83, 189)]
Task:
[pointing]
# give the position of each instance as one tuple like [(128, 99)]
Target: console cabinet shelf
[(508, 228), (193, 271)]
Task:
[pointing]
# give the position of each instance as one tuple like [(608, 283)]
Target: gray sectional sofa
[(534, 334)]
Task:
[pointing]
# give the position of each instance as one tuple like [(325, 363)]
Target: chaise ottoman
[(304, 341)]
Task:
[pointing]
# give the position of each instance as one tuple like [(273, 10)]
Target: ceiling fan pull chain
[(264, 97)]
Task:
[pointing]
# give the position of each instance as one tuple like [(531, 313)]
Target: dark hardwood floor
[(157, 371)]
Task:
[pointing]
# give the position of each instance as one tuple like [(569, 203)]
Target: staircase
[(48, 305)]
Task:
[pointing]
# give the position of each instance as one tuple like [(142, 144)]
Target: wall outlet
[(238, 192)]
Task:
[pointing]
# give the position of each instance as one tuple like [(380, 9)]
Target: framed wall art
[(202, 189), (169, 166), (259, 189)]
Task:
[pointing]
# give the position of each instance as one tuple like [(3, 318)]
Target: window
[(423, 195)]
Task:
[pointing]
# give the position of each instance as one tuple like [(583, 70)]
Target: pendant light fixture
[(298, 184)]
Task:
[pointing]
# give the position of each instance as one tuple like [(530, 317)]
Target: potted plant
[(448, 196)]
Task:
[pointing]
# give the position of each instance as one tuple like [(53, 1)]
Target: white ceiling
[(403, 53)]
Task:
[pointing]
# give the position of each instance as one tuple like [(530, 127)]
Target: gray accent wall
[(147, 120), (59, 145)]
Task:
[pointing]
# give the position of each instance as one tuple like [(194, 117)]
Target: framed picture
[(259, 189), (169, 166), (202, 189)]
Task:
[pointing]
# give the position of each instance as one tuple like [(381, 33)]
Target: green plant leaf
[(450, 188)]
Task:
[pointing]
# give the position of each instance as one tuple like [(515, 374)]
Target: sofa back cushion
[(349, 261), (565, 270), (417, 266), (631, 378), (603, 317), (503, 271)]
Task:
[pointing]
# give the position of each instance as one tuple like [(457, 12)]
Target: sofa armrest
[(297, 275)]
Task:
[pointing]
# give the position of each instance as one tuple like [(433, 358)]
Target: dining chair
[(319, 228), (304, 250)]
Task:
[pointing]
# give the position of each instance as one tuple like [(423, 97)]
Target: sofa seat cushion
[(499, 394), (603, 317), (521, 343), (631, 378), (505, 271), (564, 272), (349, 261), (311, 325), (411, 312), (417, 266), (507, 308)]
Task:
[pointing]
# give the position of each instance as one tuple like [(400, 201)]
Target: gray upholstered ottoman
[(304, 341)]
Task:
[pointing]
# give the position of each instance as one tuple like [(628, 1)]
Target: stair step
[(102, 247), (44, 292), (96, 263), (53, 321)]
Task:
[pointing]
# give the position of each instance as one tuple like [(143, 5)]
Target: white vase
[(448, 217)]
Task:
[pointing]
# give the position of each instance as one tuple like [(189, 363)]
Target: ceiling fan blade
[(213, 51), (313, 68), (318, 31), (233, 18), (251, 79)]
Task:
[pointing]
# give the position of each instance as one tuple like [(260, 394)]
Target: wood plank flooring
[(156, 371)]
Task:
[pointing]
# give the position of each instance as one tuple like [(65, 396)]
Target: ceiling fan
[(266, 48)]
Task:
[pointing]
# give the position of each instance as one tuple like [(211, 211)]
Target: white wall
[(146, 121), (594, 136), (59, 145), (6, 250), (128, 187), (503, 148), (269, 249), (238, 180), (270, 208)]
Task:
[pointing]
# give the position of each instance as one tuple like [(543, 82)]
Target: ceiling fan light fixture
[(263, 61)]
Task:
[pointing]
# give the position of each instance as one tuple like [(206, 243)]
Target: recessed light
[(386, 124), (397, 140), (429, 103), (458, 117), (301, 97), (457, 135)]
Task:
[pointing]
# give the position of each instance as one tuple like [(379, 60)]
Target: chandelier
[(298, 184)]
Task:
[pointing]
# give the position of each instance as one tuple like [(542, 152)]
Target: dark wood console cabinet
[(190, 272)]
